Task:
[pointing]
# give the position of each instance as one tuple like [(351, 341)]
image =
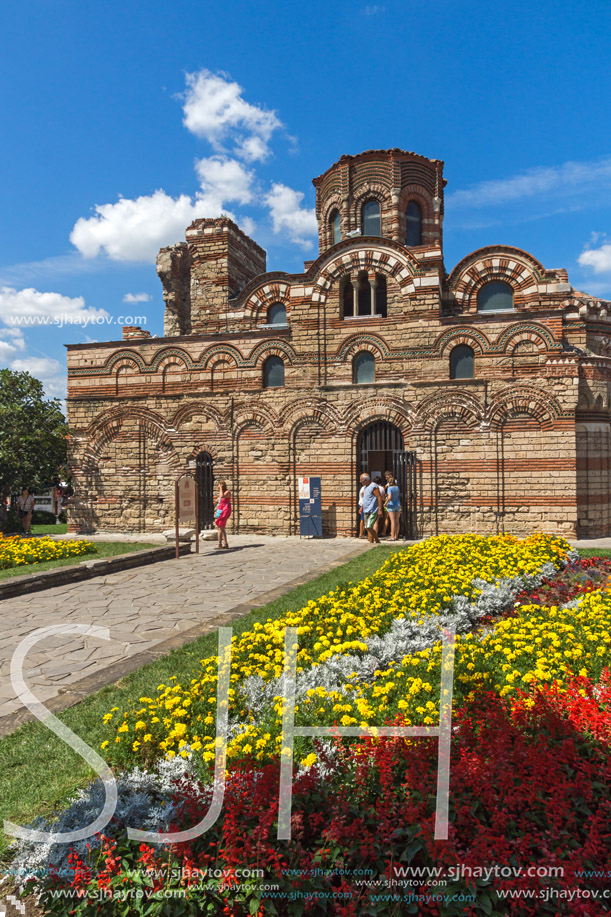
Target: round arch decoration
[(470, 336), (108, 427), (370, 191), (120, 359), (255, 416), (541, 336), (271, 349), (226, 352), (503, 264), (521, 401), (172, 355), (359, 415), (425, 202), (371, 342), (261, 299), (333, 202), (454, 406), (185, 413), (320, 412), (400, 266)]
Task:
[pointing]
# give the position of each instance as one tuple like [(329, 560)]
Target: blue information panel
[(310, 507)]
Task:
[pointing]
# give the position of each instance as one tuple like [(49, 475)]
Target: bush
[(43, 517)]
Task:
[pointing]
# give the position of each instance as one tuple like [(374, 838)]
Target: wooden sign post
[(187, 505)]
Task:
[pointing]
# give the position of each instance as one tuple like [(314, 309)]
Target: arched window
[(276, 314), (495, 297), (461, 362), (371, 219), (348, 299), (273, 373), (363, 368), (336, 227), (413, 224)]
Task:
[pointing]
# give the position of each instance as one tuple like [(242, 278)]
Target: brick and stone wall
[(522, 446)]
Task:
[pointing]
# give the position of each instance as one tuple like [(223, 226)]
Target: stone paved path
[(149, 611)]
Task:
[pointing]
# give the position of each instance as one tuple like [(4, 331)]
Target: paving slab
[(149, 611)]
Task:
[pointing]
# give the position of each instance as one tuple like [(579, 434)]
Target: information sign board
[(310, 507)]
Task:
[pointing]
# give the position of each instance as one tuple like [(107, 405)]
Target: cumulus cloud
[(50, 372), (569, 177), (130, 230), (29, 307), (215, 110), (289, 217), (136, 297), (223, 179), (599, 259), (135, 230)]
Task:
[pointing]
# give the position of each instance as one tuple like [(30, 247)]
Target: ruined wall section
[(223, 261)]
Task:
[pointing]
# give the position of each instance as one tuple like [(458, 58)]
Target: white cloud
[(50, 372), (7, 351), (569, 177), (288, 216), (215, 110), (29, 308), (136, 297), (248, 225), (599, 259), (135, 230), (223, 179)]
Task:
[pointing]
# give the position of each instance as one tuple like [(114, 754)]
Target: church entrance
[(381, 448), (204, 473)]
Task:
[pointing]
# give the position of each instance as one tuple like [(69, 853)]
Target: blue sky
[(122, 121)]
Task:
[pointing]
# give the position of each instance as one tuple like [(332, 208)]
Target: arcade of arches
[(485, 388)]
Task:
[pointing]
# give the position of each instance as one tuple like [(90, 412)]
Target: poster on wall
[(310, 507)]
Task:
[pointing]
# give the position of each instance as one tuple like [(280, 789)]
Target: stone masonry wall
[(521, 446)]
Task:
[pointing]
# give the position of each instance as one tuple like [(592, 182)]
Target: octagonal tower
[(391, 193)]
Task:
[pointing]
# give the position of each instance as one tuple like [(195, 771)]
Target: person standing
[(372, 506), (361, 533), (5, 495), (26, 508), (222, 514), (393, 507), (382, 518)]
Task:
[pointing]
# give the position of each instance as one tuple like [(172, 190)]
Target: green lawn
[(102, 549), (60, 529), (39, 772)]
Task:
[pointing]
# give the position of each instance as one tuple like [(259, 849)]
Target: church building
[(484, 388)]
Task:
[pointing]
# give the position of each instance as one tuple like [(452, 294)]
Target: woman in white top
[(26, 507)]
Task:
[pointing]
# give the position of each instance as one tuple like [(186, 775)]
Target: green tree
[(33, 433)]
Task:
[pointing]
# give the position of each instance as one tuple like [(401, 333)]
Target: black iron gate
[(205, 480), (381, 448), (404, 470)]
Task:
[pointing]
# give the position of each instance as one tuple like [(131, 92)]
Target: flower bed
[(414, 592), (530, 765), (16, 551)]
